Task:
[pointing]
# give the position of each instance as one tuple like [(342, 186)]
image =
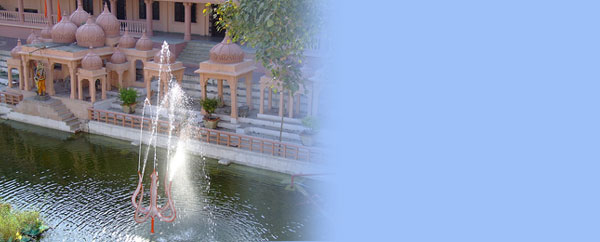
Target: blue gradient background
[(466, 120)]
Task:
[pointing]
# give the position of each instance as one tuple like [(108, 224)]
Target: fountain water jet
[(174, 101)]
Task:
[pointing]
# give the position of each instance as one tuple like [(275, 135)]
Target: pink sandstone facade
[(174, 16)]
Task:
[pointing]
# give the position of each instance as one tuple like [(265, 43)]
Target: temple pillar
[(234, 109), (149, 31), (103, 83), (249, 91), (203, 86), (113, 7), (80, 90), (119, 79), (50, 79), (147, 80), (21, 77), (10, 80), (50, 12), (298, 104), (270, 99), (188, 21), (25, 73), (92, 88), (203, 81), (73, 80), (220, 90), (261, 108), (290, 105), (20, 6)]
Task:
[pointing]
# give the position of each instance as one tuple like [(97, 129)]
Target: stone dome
[(144, 43), (90, 34), (118, 57), (165, 60), (37, 40), (226, 52), (15, 51), (109, 23), (31, 37), (47, 32), (127, 41), (91, 61), (79, 16), (64, 31)]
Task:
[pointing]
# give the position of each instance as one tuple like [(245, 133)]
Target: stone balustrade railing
[(34, 18), (134, 26), (10, 16), (212, 136), (10, 98)]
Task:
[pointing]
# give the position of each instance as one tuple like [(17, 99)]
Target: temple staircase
[(195, 52), (51, 112)]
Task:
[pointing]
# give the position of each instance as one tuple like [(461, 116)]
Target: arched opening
[(139, 71), (14, 78), (62, 79), (121, 13), (98, 85)]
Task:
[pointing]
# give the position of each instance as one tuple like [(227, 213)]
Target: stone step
[(72, 122), (65, 116), (272, 133), (67, 120)]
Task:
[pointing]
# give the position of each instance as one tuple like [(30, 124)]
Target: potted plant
[(306, 136), (209, 105), (129, 98)]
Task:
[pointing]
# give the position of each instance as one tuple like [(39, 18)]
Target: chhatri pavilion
[(83, 58)]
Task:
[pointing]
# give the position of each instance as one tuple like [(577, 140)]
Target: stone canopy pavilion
[(83, 55)]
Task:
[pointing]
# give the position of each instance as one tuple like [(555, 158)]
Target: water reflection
[(82, 184)]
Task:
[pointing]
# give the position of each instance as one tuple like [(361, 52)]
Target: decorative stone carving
[(226, 52), (31, 37), (127, 41), (165, 60), (15, 51), (144, 43), (91, 61), (109, 23), (90, 35), (64, 31), (118, 57), (79, 16)]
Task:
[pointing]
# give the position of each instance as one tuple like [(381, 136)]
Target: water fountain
[(173, 102)]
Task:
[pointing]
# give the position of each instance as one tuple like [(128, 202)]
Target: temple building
[(79, 58), (169, 16)]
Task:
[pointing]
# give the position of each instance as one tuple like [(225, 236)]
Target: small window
[(155, 10), (180, 12), (88, 6)]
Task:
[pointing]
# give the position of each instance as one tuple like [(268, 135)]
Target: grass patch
[(19, 226)]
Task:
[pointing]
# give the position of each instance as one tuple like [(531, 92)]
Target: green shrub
[(19, 226), (128, 96), (209, 105), (311, 123)]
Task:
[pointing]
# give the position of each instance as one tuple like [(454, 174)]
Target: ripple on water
[(83, 185)]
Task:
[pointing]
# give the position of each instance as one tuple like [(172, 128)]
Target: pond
[(82, 186)]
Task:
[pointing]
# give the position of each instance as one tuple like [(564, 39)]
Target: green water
[(82, 185)]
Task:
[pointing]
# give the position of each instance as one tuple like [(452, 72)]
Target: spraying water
[(171, 106)]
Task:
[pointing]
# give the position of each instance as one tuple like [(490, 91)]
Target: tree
[(278, 30)]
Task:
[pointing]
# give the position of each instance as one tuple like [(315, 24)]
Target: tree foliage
[(278, 30)]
